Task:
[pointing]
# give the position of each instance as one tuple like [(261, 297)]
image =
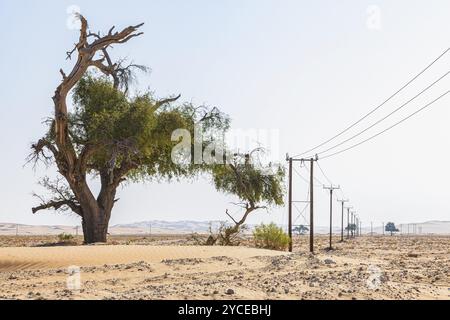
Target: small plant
[(65, 237), (270, 237)]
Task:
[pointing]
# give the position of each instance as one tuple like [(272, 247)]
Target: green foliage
[(250, 183), (301, 229), (134, 130), (270, 237), (390, 227), (65, 237)]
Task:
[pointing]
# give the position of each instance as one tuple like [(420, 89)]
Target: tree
[(109, 135), (256, 187), (390, 227), (351, 227), (301, 229)]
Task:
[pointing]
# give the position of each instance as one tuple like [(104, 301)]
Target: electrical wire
[(378, 107), (387, 129), (385, 117)]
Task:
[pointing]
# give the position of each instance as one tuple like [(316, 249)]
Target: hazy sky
[(304, 68)]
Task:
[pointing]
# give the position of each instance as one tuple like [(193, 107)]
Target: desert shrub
[(226, 235), (65, 237), (270, 237)]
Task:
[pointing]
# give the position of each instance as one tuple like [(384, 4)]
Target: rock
[(216, 292), (229, 292), (412, 255), (286, 290), (329, 261)]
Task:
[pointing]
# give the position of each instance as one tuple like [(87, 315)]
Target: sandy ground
[(172, 268)]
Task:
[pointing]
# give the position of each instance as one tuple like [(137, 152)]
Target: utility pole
[(17, 229), (331, 188), (343, 201), (383, 228), (348, 221), (371, 228), (76, 231), (311, 207), (360, 227), (353, 223), (357, 226), (290, 204), (311, 202)]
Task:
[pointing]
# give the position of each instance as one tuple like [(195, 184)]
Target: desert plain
[(175, 267)]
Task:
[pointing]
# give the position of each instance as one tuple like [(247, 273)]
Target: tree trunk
[(95, 228), (96, 216)]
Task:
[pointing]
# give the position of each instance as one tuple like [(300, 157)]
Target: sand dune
[(63, 257), (160, 268)]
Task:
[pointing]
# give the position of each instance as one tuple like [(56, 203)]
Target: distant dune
[(187, 226)]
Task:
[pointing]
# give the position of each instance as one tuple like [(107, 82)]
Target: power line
[(302, 177), (378, 107), (315, 178), (389, 128), (321, 170), (387, 116)]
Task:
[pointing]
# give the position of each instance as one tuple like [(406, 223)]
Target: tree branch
[(57, 205)]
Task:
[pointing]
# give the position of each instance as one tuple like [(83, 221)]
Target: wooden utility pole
[(383, 228), (357, 226), (353, 223), (348, 222), (311, 206), (76, 231), (311, 202), (17, 229), (343, 201), (360, 227), (371, 228), (290, 204), (331, 188)]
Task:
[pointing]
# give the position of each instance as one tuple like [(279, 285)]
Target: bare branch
[(62, 197), (160, 103), (38, 152), (56, 205)]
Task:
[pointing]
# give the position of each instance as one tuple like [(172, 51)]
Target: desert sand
[(172, 268)]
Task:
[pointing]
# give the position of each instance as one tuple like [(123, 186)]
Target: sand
[(363, 268)]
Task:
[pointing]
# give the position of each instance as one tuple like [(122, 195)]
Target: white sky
[(304, 69)]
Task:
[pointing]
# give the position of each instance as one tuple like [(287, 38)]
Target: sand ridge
[(59, 257), (168, 268)]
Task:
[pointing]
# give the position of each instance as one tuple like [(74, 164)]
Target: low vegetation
[(270, 237)]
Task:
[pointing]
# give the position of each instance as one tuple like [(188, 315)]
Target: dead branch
[(62, 197)]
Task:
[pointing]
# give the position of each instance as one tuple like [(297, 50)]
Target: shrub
[(65, 237), (270, 237)]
